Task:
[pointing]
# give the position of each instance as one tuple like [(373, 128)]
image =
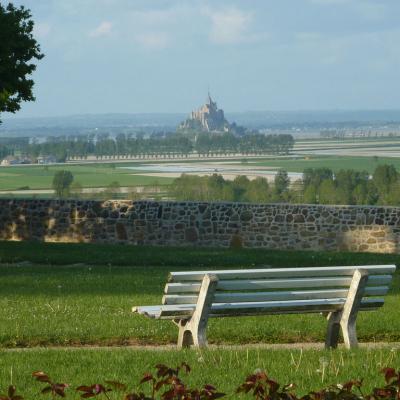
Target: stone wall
[(272, 226)]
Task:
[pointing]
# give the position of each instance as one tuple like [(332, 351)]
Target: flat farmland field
[(89, 175), (159, 172), (335, 163)]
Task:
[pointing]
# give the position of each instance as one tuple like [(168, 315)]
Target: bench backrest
[(275, 290)]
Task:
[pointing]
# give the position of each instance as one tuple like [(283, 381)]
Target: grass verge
[(226, 369), (178, 257)]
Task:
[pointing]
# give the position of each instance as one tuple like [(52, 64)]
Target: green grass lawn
[(89, 303), (333, 162), (89, 175), (226, 369)]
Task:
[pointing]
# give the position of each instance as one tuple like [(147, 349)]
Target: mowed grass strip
[(53, 254), (91, 304), (226, 369)]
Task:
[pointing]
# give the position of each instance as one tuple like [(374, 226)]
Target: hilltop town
[(209, 118)]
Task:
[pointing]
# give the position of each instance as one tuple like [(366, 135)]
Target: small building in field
[(11, 160), (46, 160)]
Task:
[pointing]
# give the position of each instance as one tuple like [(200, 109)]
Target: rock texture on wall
[(271, 226)]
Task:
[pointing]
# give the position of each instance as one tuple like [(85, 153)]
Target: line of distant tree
[(11, 145), (342, 134), (216, 188), (318, 186), (105, 146)]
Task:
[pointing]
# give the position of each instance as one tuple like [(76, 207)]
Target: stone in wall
[(270, 226)]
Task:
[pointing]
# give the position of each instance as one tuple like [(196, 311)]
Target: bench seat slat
[(254, 308), (374, 280), (227, 297), (311, 309), (183, 276)]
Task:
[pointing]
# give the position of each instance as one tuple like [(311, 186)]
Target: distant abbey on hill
[(209, 118)]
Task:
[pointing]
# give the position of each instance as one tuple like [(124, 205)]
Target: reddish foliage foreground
[(166, 384)]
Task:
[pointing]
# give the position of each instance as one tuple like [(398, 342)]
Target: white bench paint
[(191, 298)]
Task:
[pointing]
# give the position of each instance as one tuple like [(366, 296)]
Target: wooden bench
[(191, 298)]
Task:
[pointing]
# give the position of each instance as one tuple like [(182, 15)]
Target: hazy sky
[(137, 56)]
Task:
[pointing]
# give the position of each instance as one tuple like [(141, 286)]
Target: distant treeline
[(318, 186), (104, 146), (342, 134), (11, 145)]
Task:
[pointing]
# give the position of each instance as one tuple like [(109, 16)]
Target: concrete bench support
[(346, 318), (193, 331)]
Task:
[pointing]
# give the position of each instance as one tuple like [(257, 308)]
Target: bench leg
[(351, 307), (193, 332), (191, 336), (332, 334), (185, 337), (346, 318), (349, 334)]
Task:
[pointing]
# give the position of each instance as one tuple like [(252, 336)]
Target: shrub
[(166, 384)]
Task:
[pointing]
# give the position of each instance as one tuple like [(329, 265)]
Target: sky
[(143, 56)]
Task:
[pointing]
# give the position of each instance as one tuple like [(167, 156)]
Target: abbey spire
[(208, 118)]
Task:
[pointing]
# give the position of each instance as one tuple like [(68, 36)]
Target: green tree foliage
[(62, 181), (103, 146), (319, 186), (259, 191), (281, 185), (216, 188), (327, 193), (17, 50), (310, 194), (239, 187), (188, 187), (346, 181), (386, 181), (315, 176), (208, 143)]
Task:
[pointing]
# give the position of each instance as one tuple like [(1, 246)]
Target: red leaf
[(186, 367), (84, 388), (100, 388), (147, 377), (11, 391), (41, 376), (389, 373)]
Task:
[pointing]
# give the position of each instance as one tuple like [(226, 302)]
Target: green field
[(89, 175), (89, 303), (333, 162), (103, 174), (226, 369)]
